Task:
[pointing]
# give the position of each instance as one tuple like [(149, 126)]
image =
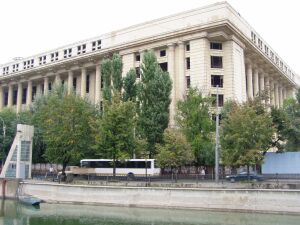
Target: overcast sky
[(30, 27)]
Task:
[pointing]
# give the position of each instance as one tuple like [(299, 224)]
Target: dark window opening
[(101, 105), (74, 83), (138, 58), (33, 92), (87, 83), (188, 81), (214, 45), (24, 95), (138, 72), (162, 53), (187, 47), (216, 62), (15, 96), (188, 63), (164, 66), (102, 82), (221, 100), (6, 98), (49, 86), (217, 80)]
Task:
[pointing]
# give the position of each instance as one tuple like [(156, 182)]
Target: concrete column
[(276, 90), (272, 92), (249, 81), (181, 84), (39, 89), (19, 97), (83, 82), (284, 93), (256, 84), (281, 96), (57, 79), (267, 86), (29, 93), (98, 84), (1, 98), (46, 85), (70, 81), (261, 82), (10, 95), (171, 70)]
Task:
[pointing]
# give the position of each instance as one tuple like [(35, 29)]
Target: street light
[(4, 133)]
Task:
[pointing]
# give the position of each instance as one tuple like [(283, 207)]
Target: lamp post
[(4, 133)]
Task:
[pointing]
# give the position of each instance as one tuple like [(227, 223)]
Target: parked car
[(244, 177)]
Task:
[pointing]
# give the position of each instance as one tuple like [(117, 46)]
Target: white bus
[(130, 167)]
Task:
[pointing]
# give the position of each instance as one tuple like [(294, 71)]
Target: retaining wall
[(9, 188), (258, 200)]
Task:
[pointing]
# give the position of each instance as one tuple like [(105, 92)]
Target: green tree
[(154, 96), (292, 109), (195, 122), (106, 71), (130, 87), (116, 137), (117, 66), (175, 150), (65, 124), (245, 136)]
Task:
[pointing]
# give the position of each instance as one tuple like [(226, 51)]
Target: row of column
[(46, 85), (257, 81)]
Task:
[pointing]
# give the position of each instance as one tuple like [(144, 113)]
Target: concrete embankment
[(9, 188), (255, 200)]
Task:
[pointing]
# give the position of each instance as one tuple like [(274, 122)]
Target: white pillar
[(256, 85), (249, 81), (39, 89), (272, 92), (268, 87), (171, 70), (70, 81), (261, 82), (280, 96), (181, 84), (276, 90), (46, 85), (1, 98), (98, 84), (10, 95), (284, 93), (83, 82), (19, 97), (29, 93), (57, 79)]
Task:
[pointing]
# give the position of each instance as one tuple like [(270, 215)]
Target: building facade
[(204, 48)]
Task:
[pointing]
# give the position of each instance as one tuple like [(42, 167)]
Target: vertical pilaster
[(10, 95), (268, 87), (276, 90), (256, 85), (272, 92), (39, 89), (83, 82), (171, 70), (98, 84), (280, 95), (261, 82), (29, 93), (181, 84), (249, 81), (70, 81), (46, 85), (19, 97), (57, 79)]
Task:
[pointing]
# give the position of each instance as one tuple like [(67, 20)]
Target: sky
[(30, 27)]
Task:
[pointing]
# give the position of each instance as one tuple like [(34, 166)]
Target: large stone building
[(202, 48)]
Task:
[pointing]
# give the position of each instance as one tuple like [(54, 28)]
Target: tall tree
[(106, 71), (245, 136), (117, 66), (154, 96), (195, 122), (130, 87), (175, 150), (116, 138), (65, 123)]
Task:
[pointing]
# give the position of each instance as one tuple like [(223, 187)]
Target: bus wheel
[(130, 176)]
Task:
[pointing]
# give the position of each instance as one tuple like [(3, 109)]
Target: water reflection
[(56, 214)]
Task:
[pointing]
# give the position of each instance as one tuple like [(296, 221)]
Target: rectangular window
[(87, 83), (217, 80), (54, 56), (49, 86), (216, 62), (164, 66), (188, 63), (221, 100), (215, 45), (187, 47), (162, 53), (138, 72), (96, 45), (137, 57), (15, 96), (188, 81), (81, 49), (24, 93), (6, 98)]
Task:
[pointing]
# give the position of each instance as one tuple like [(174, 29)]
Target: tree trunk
[(114, 168)]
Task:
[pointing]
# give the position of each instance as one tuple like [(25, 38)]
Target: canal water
[(13, 213)]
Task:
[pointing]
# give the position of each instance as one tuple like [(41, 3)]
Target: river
[(55, 214)]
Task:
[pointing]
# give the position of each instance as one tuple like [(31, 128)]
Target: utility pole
[(217, 138)]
